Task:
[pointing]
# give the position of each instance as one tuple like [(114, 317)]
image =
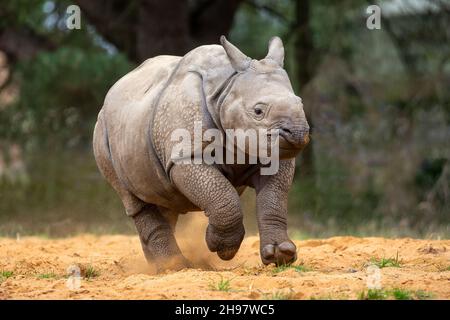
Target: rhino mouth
[(287, 145), (292, 142)]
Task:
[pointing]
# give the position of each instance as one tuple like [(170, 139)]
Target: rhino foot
[(225, 243), (281, 254)]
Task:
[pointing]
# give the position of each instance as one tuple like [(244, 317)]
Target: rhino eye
[(259, 111)]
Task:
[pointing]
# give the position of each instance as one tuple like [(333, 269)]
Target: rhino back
[(142, 82), (184, 100)]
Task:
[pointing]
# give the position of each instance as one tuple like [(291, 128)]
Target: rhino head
[(260, 96)]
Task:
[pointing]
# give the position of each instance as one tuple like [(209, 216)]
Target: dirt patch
[(113, 267)]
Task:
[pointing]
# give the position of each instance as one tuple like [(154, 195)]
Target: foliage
[(60, 94)]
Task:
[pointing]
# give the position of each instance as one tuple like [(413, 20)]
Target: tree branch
[(211, 19), (105, 16), (22, 44), (268, 10)]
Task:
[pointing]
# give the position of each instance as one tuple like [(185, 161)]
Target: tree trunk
[(304, 50), (162, 28), (147, 28), (22, 44)]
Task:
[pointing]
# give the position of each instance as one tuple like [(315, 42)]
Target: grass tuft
[(386, 262), (396, 293), (301, 268), (6, 274), (284, 267), (221, 285), (91, 272), (373, 294), (281, 268), (401, 294), (49, 275)]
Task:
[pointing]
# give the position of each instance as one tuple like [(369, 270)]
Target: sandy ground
[(336, 268)]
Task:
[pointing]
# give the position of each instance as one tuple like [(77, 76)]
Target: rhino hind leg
[(102, 155), (155, 226)]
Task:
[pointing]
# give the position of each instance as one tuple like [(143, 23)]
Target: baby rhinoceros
[(223, 89)]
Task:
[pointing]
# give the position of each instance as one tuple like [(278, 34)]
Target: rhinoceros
[(224, 89)]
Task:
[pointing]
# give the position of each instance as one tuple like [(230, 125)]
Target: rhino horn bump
[(239, 61), (276, 50)]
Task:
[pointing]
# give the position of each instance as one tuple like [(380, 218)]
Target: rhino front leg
[(156, 232), (208, 189), (271, 210)]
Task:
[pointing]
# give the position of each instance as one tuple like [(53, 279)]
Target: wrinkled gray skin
[(224, 89)]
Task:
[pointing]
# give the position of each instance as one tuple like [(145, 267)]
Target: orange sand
[(338, 269)]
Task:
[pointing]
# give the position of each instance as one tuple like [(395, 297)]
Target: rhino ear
[(276, 51), (239, 61)]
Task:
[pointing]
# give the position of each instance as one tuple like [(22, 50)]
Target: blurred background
[(378, 102)]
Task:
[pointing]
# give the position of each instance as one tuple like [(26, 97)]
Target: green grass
[(301, 268), (221, 285), (91, 272), (386, 262), (401, 294), (49, 275), (373, 294), (6, 274), (284, 267), (396, 293)]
